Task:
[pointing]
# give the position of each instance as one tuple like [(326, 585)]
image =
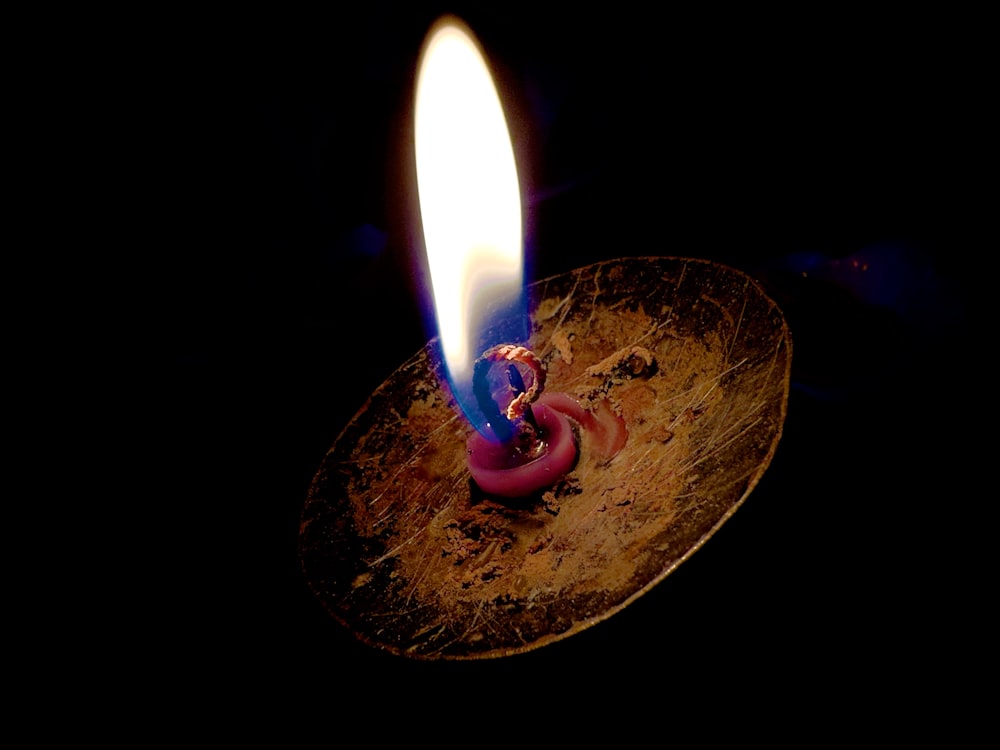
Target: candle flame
[(470, 203)]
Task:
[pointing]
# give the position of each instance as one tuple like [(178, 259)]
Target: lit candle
[(533, 446), (471, 213), (690, 355)]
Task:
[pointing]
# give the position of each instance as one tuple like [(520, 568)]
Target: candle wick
[(515, 420), (517, 386), (497, 421)]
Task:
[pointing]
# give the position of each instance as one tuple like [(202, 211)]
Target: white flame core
[(470, 202)]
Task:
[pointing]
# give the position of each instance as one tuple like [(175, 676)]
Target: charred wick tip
[(517, 388), (515, 417)]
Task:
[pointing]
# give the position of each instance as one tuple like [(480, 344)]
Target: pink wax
[(499, 470), (606, 429)]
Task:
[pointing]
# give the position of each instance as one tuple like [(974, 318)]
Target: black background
[(776, 145)]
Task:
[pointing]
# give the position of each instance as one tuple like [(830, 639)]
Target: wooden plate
[(402, 549)]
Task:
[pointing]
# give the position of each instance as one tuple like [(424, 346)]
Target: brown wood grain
[(404, 551)]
